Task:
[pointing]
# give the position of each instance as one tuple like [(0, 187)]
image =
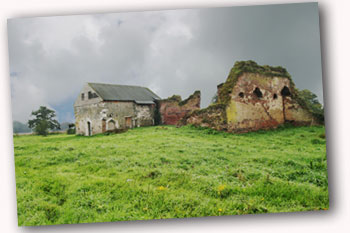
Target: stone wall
[(252, 98), (173, 109), (257, 103), (109, 115), (213, 117)]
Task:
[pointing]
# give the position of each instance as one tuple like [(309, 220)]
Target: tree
[(43, 121), (312, 104)]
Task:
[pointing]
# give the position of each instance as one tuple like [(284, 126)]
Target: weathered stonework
[(95, 115), (173, 109), (253, 97)]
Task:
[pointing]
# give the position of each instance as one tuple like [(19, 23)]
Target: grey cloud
[(172, 52)]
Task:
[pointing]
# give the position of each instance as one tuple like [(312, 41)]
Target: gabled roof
[(124, 93)]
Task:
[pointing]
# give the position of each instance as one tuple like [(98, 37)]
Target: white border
[(335, 55)]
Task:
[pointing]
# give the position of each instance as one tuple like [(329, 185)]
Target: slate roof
[(140, 95)]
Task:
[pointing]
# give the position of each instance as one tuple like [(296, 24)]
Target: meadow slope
[(168, 172)]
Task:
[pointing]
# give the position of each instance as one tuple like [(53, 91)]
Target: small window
[(92, 95), (257, 92), (241, 94), (82, 96), (275, 96)]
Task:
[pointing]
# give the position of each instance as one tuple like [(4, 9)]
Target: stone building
[(253, 97), (106, 107)]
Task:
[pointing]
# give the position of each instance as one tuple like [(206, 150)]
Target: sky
[(170, 52)]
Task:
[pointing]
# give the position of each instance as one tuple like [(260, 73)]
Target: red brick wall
[(173, 109)]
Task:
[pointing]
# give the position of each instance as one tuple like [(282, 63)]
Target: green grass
[(168, 172)]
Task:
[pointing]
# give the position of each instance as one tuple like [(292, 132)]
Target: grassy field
[(168, 172)]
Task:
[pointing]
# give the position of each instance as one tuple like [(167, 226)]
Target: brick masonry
[(173, 109), (256, 101)]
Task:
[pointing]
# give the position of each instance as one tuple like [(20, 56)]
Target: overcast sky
[(171, 52)]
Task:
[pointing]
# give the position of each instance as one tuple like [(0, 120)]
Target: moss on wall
[(250, 66), (195, 94), (231, 112), (175, 98), (241, 67), (226, 112)]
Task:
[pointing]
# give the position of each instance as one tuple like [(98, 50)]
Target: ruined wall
[(257, 103), (253, 97), (213, 117), (107, 116), (172, 110)]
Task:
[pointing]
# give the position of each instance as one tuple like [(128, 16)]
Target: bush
[(312, 103), (71, 129)]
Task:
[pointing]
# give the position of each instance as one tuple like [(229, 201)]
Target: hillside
[(169, 172)]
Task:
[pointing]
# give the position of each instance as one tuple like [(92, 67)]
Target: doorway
[(111, 125), (128, 122), (89, 128)]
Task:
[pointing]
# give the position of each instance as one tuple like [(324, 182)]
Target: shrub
[(71, 129)]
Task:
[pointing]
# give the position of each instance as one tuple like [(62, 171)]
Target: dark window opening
[(241, 94), (257, 92), (92, 95), (285, 91), (82, 96), (275, 96)]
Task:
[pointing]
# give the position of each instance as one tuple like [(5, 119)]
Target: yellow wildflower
[(161, 188), (220, 210), (221, 187)]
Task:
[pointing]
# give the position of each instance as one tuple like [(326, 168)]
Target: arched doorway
[(111, 125)]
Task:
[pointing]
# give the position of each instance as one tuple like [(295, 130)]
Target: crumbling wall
[(213, 117), (173, 109), (256, 102), (253, 97)]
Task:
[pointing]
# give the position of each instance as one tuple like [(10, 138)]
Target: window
[(92, 95), (257, 92), (241, 94), (285, 91), (82, 96)]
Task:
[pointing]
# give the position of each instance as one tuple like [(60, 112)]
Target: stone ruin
[(173, 109), (253, 97)]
